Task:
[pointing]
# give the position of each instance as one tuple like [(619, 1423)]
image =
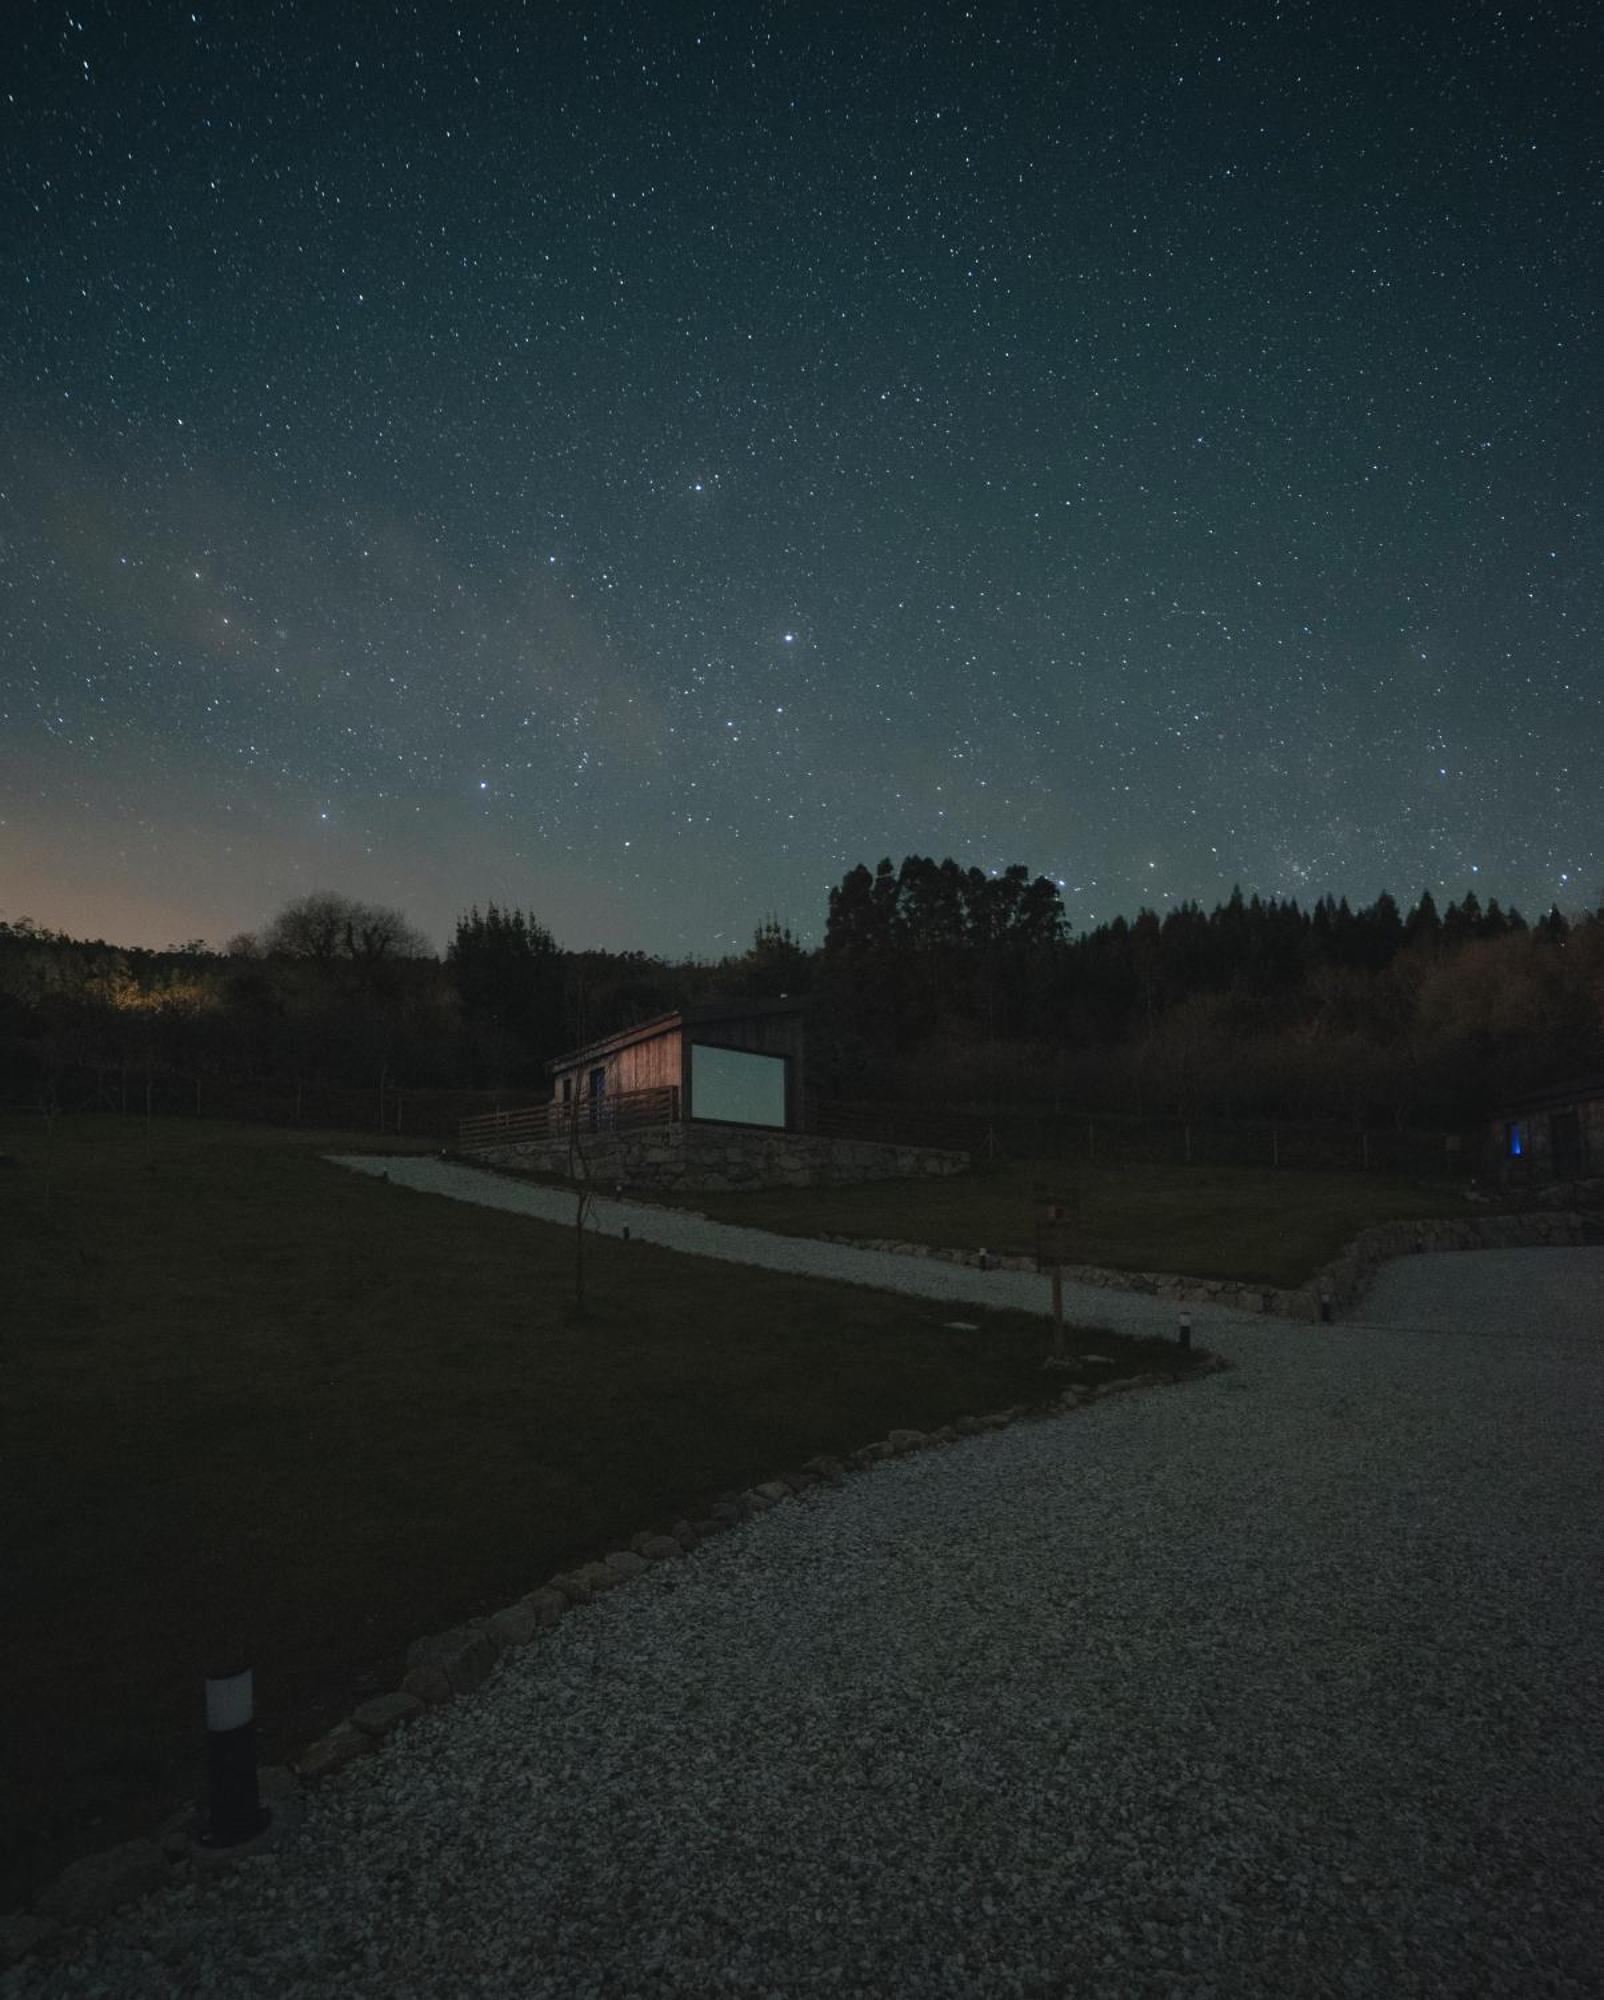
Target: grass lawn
[(1256, 1225), (258, 1406)]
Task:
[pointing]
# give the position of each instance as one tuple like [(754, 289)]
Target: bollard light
[(983, 1262), (1325, 1308), (1185, 1335), (234, 1810)]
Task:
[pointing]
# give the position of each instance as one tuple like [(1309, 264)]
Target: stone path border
[(449, 1665), (1569, 1213), (1336, 1286)]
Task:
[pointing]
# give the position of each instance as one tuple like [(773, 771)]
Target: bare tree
[(330, 929), (579, 1170)]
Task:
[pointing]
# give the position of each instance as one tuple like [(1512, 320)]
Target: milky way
[(637, 461)]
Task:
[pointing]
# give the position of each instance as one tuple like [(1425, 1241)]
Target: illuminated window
[(736, 1087)]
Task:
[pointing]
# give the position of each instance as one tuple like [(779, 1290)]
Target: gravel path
[(1283, 1682), (696, 1236)]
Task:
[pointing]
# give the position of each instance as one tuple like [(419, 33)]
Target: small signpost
[(1052, 1253)]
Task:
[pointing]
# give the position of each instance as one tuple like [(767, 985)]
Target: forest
[(933, 984)]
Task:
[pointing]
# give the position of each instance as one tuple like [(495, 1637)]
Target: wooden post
[(1188, 1145), (1050, 1251), (1091, 1139), (1364, 1149), (1275, 1145)]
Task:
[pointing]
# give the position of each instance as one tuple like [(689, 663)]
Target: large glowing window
[(737, 1087)]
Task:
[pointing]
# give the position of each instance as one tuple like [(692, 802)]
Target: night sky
[(637, 461)]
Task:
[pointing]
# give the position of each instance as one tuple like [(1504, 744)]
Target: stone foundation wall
[(716, 1157)]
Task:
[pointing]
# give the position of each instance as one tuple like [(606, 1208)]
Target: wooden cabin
[(736, 1062)]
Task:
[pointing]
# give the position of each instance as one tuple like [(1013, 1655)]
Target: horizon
[(1573, 912)]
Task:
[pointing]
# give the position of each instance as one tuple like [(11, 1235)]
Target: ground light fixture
[(234, 1809), (1184, 1332)]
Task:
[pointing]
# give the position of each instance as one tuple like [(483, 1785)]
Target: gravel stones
[(342, 1745), (600, 1577), (23, 1932), (1292, 1690), (547, 1604), (514, 1626), (907, 1440), (101, 1882), (451, 1663), (386, 1712), (1207, 1693), (661, 1548)]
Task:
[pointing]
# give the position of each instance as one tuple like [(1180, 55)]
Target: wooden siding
[(659, 1057), (653, 1064)]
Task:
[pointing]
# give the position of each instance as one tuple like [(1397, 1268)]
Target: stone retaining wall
[(1347, 1278), (1340, 1284), (1547, 1194), (692, 1156)]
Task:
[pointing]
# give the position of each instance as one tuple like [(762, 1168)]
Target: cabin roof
[(705, 1013)]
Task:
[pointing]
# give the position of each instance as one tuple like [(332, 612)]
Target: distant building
[(710, 1097), (1552, 1135), (736, 1062)]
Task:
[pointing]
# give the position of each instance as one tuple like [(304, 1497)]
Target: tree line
[(933, 982), (952, 984)]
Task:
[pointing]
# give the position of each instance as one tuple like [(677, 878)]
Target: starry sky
[(636, 461)]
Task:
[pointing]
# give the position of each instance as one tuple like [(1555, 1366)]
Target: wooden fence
[(537, 1124)]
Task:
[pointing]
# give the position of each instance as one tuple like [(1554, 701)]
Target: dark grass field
[(257, 1407), (1256, 1225)]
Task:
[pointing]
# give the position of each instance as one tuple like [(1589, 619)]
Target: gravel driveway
[(1286, 1681)]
